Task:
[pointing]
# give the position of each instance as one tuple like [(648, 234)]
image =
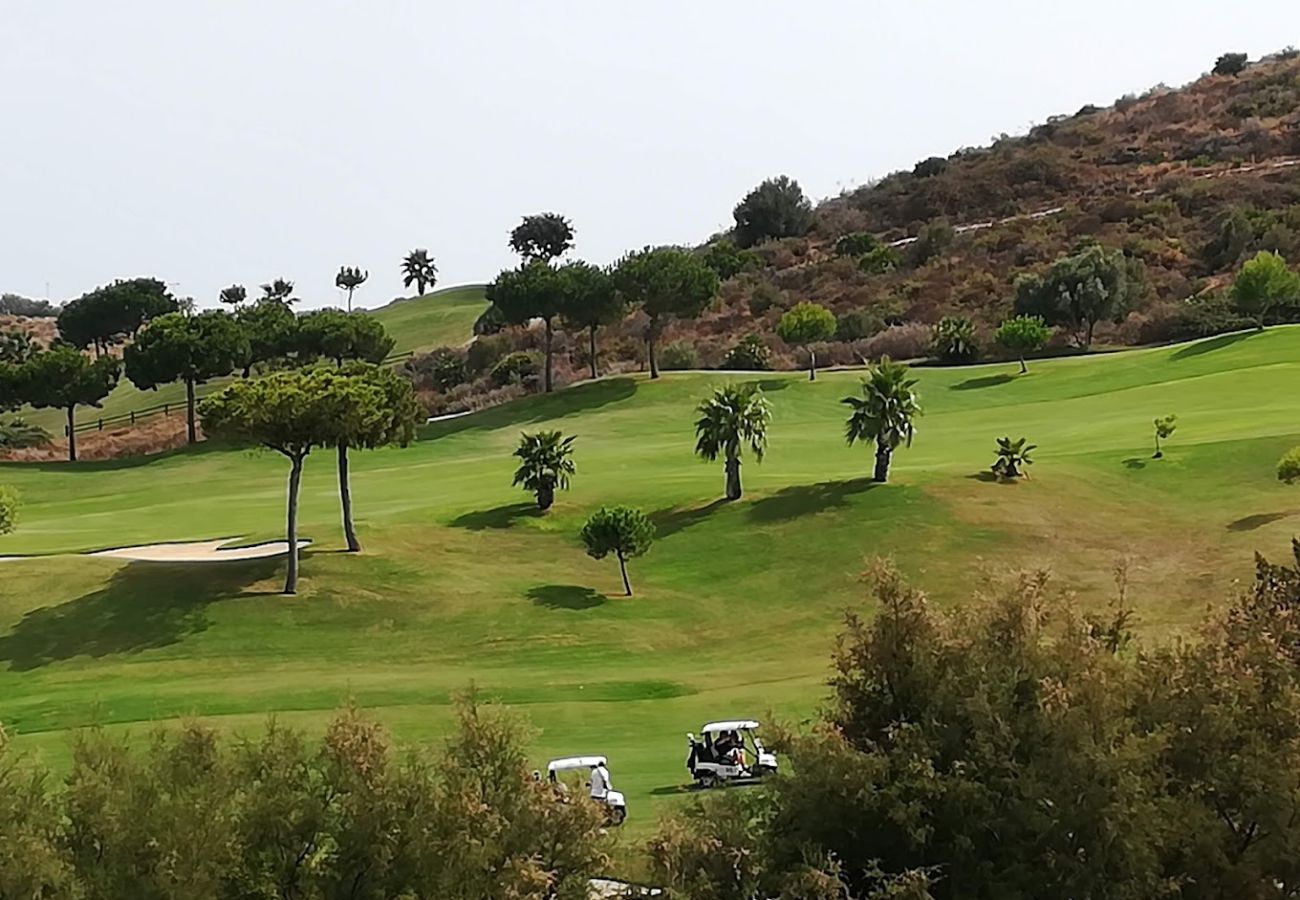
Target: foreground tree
[(233, 296), (349, 279), (1263, 283), (190, 349), (339, 336), (885, 413), (1023, 335), (733, 417), (805, 325), (370, 407), (107, 314), (777, 208), (589, 301), (419, 269), (65, 378), (666, 283), (621, 530), (542, 238), (532, 291), (1012, 458), (291, 412), (545, 464), (1165, 426), (1078, 291), (9, 503)]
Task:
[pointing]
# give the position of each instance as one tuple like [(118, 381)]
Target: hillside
[(444, 317), (736, 603), (1187, 182)]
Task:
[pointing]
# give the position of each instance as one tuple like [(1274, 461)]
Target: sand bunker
[(200, 551)]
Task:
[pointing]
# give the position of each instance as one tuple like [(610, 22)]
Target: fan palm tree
[(546, 462), (280, 290), (349, 279), (885, 412), (1013, 457), (418, 269), (733, 416)]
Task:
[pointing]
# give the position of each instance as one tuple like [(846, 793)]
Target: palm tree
[(1013, 457), (884, 413), (233, 296), (418, 269), (349, 279), (280, 291), (546, 464), (735, 415)]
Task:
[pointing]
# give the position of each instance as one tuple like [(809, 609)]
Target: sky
[(210, 142)]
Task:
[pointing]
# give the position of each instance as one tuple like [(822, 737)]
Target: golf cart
[(615, 805), (721, 755)]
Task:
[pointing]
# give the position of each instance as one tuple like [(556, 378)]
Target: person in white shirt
[(600, 785)]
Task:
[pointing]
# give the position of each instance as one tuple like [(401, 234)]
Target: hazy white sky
[(214, 141)]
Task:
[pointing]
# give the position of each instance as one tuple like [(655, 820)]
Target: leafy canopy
[(1288, 467), (666, 281), (63, 377), (731, 418), (533, 290), (234, 295), (177, 347), (105, 315), (290, 411), (545, 461), (954, 339), (777, 208), (806, 323), (1264, 282), (621, 530), (542, 238), (728, 260), (888, 408), (1166, 426), (280, 291), (337, 335), (272, 331), (1078, 291), (9, 503), (1023, 334), (587, 296)]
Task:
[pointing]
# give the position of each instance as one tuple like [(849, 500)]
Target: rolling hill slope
[(736, 603)]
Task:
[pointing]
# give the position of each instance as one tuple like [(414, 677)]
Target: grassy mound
[(442, 318), (462, 580)]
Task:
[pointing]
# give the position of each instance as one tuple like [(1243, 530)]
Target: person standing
[(599, 783)]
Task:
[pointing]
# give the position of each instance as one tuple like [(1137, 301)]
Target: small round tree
[(9, 503), (621, 530), (803, 326), (546, 462), (1022, 335), (1165, 427), (1264, 282), (1288, 467)]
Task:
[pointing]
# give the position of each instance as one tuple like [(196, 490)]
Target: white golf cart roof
[(736, 725), (575, 762)]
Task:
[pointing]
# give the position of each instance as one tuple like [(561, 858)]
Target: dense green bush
[(928, 168), (856, 243), (777, 208), (1231, 64), (955, 341), (750, 354), (728, 260), (857, 324), (931, 241), (486, 352), (18, 433), (679, 355), (879, 261), (9, 503), (441, 369), (517, 368)]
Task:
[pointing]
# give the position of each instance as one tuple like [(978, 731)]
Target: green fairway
[(736, 604), (442, 318)]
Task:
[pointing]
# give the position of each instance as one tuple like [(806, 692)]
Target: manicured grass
[(442, 318), (736, 605)]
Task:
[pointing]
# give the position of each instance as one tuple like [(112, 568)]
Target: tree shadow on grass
[(1250, 523), (804, 499), (565, 596), (984, 381), (581, 398), (1209, 345), (673, 790), (1135, 462), (985, 476), (499, 517), (669, 521), (143, 606)]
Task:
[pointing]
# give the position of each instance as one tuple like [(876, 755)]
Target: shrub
[(441, 369), (928, 168), (750, 354), (517, 368), (902, 342), (486, 352), (933, 238), (726, 259), (679, 355), (18, 434), (879, 261), (1022, 335), (1288, 467), (777, 208), (856, 244), (1012, 458), (857, 324), (490, 321), (1231, 64), (764, 297), (954, 340), (15, 305), (9, 503)]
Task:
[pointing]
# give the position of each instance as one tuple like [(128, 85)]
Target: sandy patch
[(188, 551)]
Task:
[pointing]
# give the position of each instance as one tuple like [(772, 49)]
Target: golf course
[(462, 581)]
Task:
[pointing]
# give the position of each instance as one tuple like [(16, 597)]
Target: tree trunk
[(1157, 454), (593, 353), (72, 433), (1087, 342), (191, 434), (650, 351), (622, 566), (882, 462), (545, 496), (812, 364), (345, 500), (733, 477), (291, 528), (349, 299), (549, 335)]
